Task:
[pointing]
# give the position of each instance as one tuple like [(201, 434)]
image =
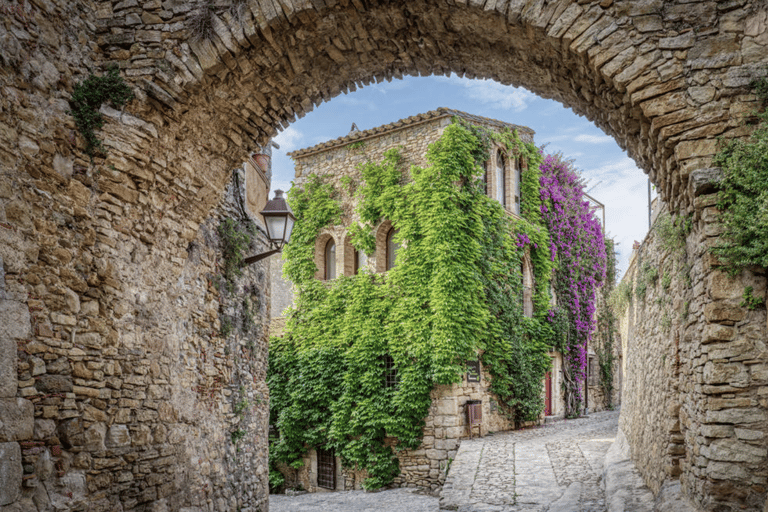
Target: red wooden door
[(548, 394)]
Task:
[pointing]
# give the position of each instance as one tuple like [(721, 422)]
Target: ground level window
[(326, 469), (390, 372), (594, 371)]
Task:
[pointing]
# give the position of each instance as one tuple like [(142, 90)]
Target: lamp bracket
[(259, 257)]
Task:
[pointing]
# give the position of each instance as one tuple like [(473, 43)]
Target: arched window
[(330, 260), (392, 248), (527, 288), (361, 260), (518, 178), (501, 179)]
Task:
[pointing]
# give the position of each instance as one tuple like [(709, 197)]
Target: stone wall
[(426, 467), (697, 367), (105, 242), (125, 391)]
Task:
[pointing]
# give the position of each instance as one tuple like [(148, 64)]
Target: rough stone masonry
[(110, 331)]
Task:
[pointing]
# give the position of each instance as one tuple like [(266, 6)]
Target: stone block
[(717, 332), (447, 407), (749, 434), (720, 312), (704, 181), (10, 472), (725, 373), (118, 436), (14, 325), (715, 52), (737, 416), (716, 430), (731, 450), (17, 419), (54, 384), (70, 433), (44, 429), (737, 350), (724, 287)]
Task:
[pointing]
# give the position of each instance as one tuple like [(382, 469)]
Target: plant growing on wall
[(743, 195), (605, 334), (87, 98), (579, 248)]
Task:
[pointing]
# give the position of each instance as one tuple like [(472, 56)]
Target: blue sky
[(612, 177)]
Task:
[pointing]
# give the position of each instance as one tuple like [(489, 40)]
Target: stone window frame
[(350, 257), (511, 174), (321, 242), (382, 231), (528, 284)]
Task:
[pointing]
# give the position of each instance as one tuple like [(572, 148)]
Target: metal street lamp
[(279, 219)]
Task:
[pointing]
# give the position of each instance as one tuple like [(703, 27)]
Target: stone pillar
[(16, 414), (725, 399)]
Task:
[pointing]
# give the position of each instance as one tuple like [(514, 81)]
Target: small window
[(330, 260), (594, 372), (485, 178), (392, 248), (390, 372), (518, 178), (361, 260), (527, 288), (326, 469), (501, 179)]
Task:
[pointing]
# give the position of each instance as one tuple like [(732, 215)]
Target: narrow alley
[(555, 467)]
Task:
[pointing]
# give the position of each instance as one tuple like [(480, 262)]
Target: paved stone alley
[(555, 467)]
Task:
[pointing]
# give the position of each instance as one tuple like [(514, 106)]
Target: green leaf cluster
[(454, 292), (316, 206), (86, 101), (236, 238), (743, 195)]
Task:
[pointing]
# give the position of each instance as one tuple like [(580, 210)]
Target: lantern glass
[(276, 227), (288, 227)]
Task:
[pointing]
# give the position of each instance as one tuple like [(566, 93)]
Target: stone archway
[(105, 256)]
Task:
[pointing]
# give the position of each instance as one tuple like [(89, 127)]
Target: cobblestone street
[(555, 467)]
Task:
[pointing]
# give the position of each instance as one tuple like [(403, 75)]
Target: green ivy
[(607, 325), (455, 291), (750, 301), (317, 206), (87, 99), (236, 238), (743, 196)]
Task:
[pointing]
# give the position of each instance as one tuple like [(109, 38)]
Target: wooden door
[(548, 394)]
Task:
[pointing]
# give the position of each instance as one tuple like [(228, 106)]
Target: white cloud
[(289, 139), (594, 139), (489, 92), (622, 187)]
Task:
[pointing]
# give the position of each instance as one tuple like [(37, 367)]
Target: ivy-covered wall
[(455, 292)]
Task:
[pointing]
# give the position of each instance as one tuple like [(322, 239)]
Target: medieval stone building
[(338, 161)]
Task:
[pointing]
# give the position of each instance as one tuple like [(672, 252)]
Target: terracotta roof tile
[(401, 123)]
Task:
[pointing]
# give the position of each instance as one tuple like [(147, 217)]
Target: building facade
[(459, 410)]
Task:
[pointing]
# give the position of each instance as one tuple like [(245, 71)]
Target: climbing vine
[(607, 327), (455, 291), (743, 195), (87, 98), (578, 246)]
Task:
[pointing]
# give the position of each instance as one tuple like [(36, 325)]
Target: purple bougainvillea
[(577, 242)]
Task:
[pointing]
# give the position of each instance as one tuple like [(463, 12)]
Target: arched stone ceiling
[(660, 77)]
